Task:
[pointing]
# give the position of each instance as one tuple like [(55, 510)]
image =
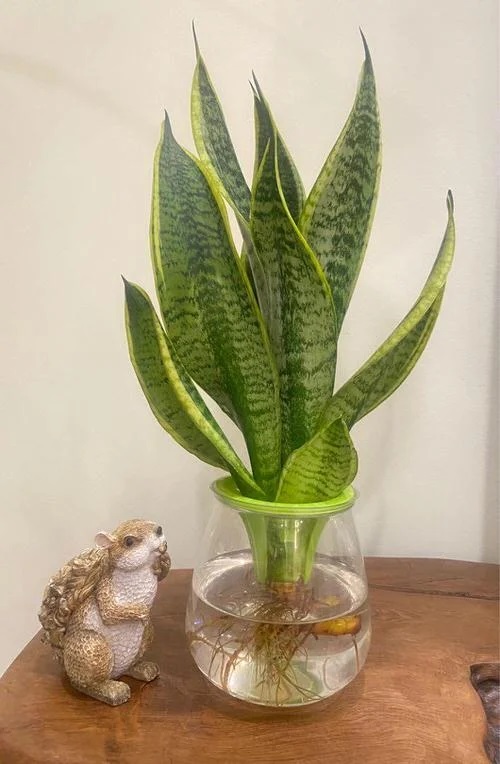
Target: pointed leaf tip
[(257, 86), (129, 286), (133, 293), (368, 58), (168, 126), (195, 38), (450, 203)]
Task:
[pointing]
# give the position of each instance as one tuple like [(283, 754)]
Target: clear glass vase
[(278, 612)]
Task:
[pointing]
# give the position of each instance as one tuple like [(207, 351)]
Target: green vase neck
[(283, 537), (226, 490)]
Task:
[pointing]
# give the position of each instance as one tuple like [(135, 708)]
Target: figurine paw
[(145, 671), (118, 693), (110, 691)]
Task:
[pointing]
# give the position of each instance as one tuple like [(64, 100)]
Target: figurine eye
[(129, 541), (159, 530)]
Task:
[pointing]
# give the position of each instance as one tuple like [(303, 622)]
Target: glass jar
[(278, 612)]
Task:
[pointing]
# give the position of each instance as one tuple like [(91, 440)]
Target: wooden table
[(412, 703)]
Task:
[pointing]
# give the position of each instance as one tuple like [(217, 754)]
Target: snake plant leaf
[(171, 394), (321, 468), (208, 306), (389, 366), (300, 316), (377, 381), (167, 233), (213, 141), (338, 213), (254, 268), (291, 183)]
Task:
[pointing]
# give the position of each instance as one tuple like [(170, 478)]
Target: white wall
[(82, 88)]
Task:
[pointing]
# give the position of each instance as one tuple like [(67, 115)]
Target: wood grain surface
[(412, 703)]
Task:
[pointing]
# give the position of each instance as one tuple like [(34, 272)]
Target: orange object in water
[(337, 627)]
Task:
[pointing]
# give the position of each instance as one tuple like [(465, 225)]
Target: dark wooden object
[(412, 703), (485, 678)]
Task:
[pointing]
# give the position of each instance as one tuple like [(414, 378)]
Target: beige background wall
[(82, 88)]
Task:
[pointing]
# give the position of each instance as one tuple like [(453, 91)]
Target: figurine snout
[(162, 548)]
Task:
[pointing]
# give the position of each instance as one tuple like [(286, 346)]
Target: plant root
[(266, 635), (271, 648)]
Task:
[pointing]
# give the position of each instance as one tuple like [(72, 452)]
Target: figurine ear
[(104, 540)]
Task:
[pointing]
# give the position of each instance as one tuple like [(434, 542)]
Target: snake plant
[(258, 330)]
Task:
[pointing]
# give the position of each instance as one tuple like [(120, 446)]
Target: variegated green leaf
[(321, 468), (389, 366), (172, 396), (169, 233), (293, 190), (254, 268), (370, 386), (213, 142), (300, 316), (338, 213), (208, 305)]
